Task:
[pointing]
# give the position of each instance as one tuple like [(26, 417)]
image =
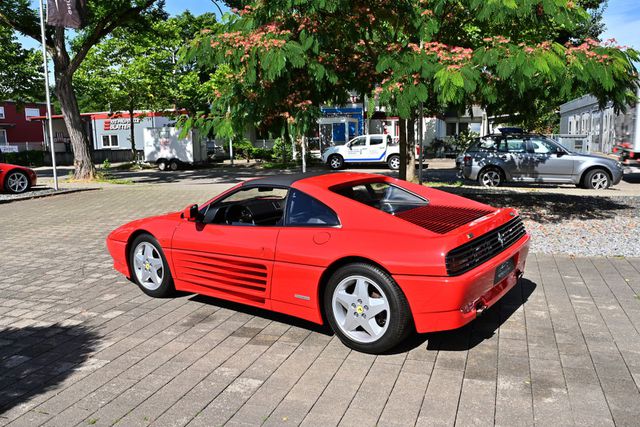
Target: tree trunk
[(84, 167), (132, 137), (408, 150), (303, 147)]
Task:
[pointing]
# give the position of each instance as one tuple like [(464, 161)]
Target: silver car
[(495, 159)]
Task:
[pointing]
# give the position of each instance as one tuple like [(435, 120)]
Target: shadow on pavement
[(265, 314), (553, 208), (34, 360), (631, 178)]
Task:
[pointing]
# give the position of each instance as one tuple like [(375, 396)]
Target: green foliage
[(282, 150), (31, 158), (20, 69), (265, 154), (106, 165)]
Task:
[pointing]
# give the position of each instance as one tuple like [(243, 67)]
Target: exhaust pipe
[(480, 308)]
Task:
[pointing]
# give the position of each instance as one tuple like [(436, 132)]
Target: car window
[(359, 141), (304, 210), (381, 195), (485, 144), (542, 146), (376, 140), (255, 206), (516, 145)]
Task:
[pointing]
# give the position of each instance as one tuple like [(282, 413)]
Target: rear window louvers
[(441, 219)]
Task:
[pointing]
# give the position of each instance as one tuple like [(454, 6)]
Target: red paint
[(18, 128), (280, 268)]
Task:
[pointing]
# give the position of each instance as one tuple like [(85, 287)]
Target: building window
[(1, 112), (463, 127), (31, 112), (570, 123), (451, 129), (3, 137), (109, 141)]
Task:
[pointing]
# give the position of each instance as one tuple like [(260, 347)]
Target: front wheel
[(162, 165), (394, 162), (597, 179), (366, 308), (335, 162), (490, 177), (149, 267), (17, 182)]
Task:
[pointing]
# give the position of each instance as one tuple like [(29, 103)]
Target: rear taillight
[(467, 160)]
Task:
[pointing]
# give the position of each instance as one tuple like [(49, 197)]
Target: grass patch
[(278, 165), (101, 177)]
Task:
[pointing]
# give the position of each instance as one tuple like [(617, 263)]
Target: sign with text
[(65, 13), (120, 124)]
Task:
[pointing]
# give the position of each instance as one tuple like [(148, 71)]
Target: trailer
[(164, 147)]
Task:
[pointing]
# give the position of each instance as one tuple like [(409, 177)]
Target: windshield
[(382, 196)]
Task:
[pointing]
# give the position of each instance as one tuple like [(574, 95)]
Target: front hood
[(123, 232)]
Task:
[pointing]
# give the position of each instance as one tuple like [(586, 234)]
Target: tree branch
[(22, 28), (104, 28)]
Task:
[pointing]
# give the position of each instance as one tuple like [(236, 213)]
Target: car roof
[(324, 179)]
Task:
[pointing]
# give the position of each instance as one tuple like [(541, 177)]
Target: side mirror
[(560, 152), (191, 212)]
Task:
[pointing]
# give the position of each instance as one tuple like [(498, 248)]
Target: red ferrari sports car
[(16, 179), (374, 257)]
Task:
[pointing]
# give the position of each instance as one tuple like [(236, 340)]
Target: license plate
[(504, 269)]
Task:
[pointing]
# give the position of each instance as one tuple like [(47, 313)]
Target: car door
[(548, 161), (357, 149), (377, 147), (513, 153), (227, 259), (304, 244)]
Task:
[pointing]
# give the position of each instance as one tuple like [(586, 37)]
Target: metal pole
[(46, 84), (420, 167), (231, 150), (304, 154)]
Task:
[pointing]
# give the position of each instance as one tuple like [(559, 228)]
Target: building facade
[(583, 116), (17, 131)]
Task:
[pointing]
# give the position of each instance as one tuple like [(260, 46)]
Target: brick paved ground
[(79, 345)]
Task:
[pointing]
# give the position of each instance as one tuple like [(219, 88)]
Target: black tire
[(335, 162), (491, 177), (162, 165), (393, 162), (173, 165), (397, 319), (596, 179), (166, 287), (17, 182)]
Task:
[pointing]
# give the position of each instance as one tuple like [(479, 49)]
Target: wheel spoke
[(362, 291), (370, 327), (155, 277), (377, 306), (345, 299), (155, 262), (350, 322), (138, 260)]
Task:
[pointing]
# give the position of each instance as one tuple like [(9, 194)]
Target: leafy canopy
[(283, 58)]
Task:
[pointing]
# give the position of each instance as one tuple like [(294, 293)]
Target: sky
[(622, 18)]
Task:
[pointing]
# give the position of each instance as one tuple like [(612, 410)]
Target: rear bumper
[(443, 303)]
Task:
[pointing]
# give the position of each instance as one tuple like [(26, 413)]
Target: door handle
[(503, 157)]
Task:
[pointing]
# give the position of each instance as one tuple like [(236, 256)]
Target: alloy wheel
[(335, 163), (148, 266), (491, 178), (599, 181), (394, 163), (361, 309), (17, 182)]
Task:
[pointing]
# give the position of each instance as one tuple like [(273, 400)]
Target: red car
[(16, 179), (374, 257)]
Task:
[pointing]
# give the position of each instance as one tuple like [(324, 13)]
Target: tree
[(101, 18), (411, 55), (20, 69), (136, 68)]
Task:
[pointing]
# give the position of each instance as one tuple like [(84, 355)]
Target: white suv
[(375, 148)]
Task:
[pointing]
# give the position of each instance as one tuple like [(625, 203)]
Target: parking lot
[(80, 345)]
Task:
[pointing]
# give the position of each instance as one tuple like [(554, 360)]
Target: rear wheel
[(149, 267), (335, 162), (394, 162), (366, 308), (17, 182), (490, 177), (597, 179), (162, 165), (173, 165)]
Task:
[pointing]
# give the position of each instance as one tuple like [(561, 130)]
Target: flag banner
[(64, 13)]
